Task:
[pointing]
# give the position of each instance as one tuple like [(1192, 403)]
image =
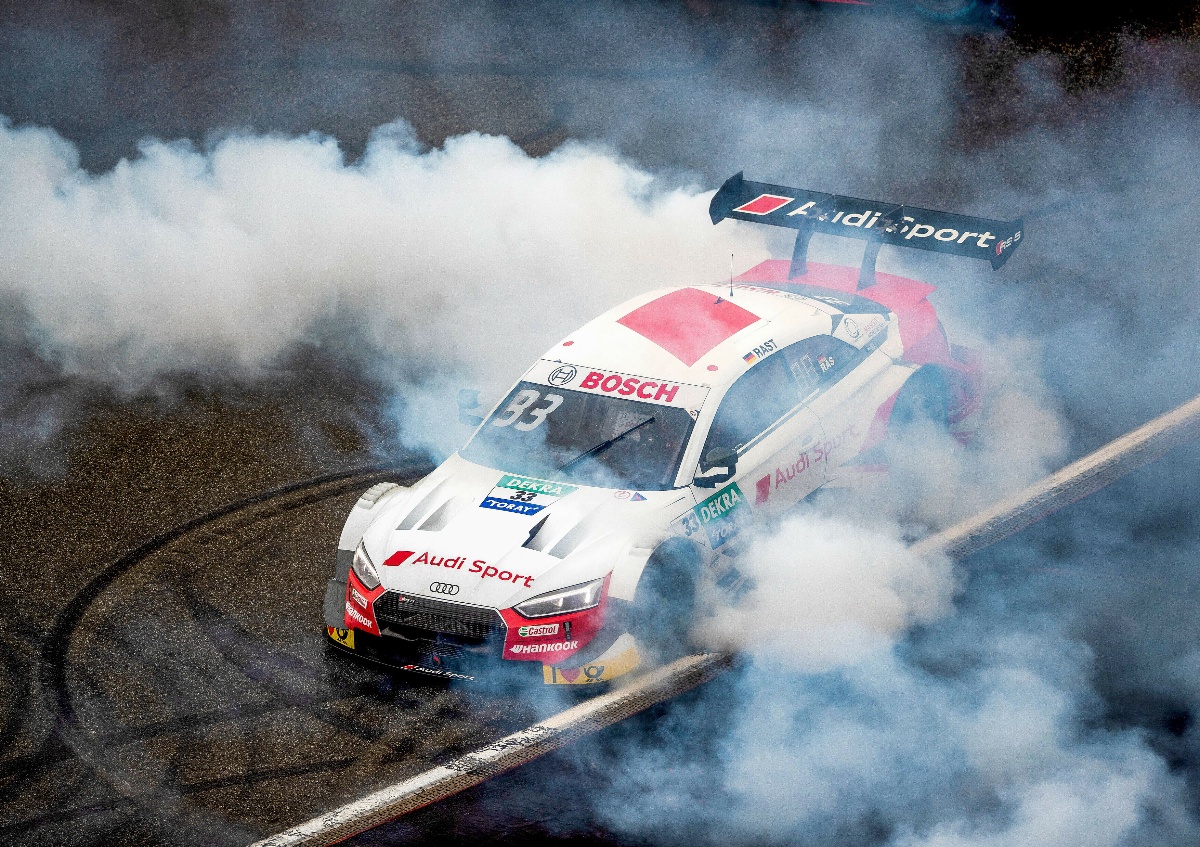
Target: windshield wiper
[(604, 445)]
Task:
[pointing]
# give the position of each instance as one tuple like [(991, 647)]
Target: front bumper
[(458, 641)]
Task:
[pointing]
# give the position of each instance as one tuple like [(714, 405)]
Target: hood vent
[(421, 508), (443, 514), (548, 536), (530, 542), (572, 540)]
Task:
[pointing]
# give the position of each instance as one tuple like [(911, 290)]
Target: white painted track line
[(509, 752), (1074, 482)]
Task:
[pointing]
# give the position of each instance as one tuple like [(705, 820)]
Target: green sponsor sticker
[(537, 486), (722, 514)]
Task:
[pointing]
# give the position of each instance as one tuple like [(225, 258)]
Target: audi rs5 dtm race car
[(620, 473)]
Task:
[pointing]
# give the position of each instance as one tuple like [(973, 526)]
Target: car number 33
[(523, 413)]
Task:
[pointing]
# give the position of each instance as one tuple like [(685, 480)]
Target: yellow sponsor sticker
[(345, 637), (610, 668)]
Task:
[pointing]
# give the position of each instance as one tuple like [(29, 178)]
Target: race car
[(574, 531)]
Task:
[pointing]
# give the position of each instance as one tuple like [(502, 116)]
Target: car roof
[(701, 335)]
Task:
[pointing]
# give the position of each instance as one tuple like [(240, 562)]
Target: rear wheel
[(919, 423), (923, 400)]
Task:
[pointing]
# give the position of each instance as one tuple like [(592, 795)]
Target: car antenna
[(730, 276)]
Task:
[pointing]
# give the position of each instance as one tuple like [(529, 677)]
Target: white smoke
[(827, 591), (837, 580), (979, 732), (448, 267)]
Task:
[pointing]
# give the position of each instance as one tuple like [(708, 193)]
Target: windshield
[(608, 442)]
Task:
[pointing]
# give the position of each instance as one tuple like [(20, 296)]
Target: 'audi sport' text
[(479, 566)]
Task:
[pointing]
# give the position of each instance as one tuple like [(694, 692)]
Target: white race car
[(573, 531)]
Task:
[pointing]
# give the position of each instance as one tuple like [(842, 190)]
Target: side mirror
[(468, 399), (724, 458)]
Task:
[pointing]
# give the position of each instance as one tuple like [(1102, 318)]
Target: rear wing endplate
[(871, 220)]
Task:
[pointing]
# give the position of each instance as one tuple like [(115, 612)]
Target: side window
[(818, 362), (761, 396)]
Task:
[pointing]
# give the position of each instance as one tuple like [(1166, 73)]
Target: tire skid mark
[(218, 628), (62, 753), (49, 752), (68, 735), (238, 712), (19, 683), (237, 645), (119, 804), (198, 787), (267, 775), (130, 650)]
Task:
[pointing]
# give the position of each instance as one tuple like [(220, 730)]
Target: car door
[(844, 386), (764, 418)]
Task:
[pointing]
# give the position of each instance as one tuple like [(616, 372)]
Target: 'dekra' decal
[(722, 515), (524, 495)]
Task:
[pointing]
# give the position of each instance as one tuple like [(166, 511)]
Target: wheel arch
[(674, 544)]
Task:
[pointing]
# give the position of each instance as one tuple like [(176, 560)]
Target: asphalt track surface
[(171, 695)]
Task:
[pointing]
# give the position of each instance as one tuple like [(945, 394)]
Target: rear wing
[(874, 221)]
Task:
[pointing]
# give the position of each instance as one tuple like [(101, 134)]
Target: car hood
[(477, 535)]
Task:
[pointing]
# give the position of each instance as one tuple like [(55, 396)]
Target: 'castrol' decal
[(644, 389), (538, 631)]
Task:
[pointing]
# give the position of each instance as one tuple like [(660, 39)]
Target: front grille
[(425, 617)]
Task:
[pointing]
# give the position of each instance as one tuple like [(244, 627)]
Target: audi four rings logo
[(444, 588), (562, 375)]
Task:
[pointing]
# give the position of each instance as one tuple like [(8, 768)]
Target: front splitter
[(618, 660)]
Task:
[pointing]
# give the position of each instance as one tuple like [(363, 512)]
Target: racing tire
[(665, 603), (923, 399)]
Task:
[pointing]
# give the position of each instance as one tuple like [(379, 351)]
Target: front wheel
[(665, 604)]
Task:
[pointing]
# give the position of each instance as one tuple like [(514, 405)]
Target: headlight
[(364, 568), (573, 599)]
